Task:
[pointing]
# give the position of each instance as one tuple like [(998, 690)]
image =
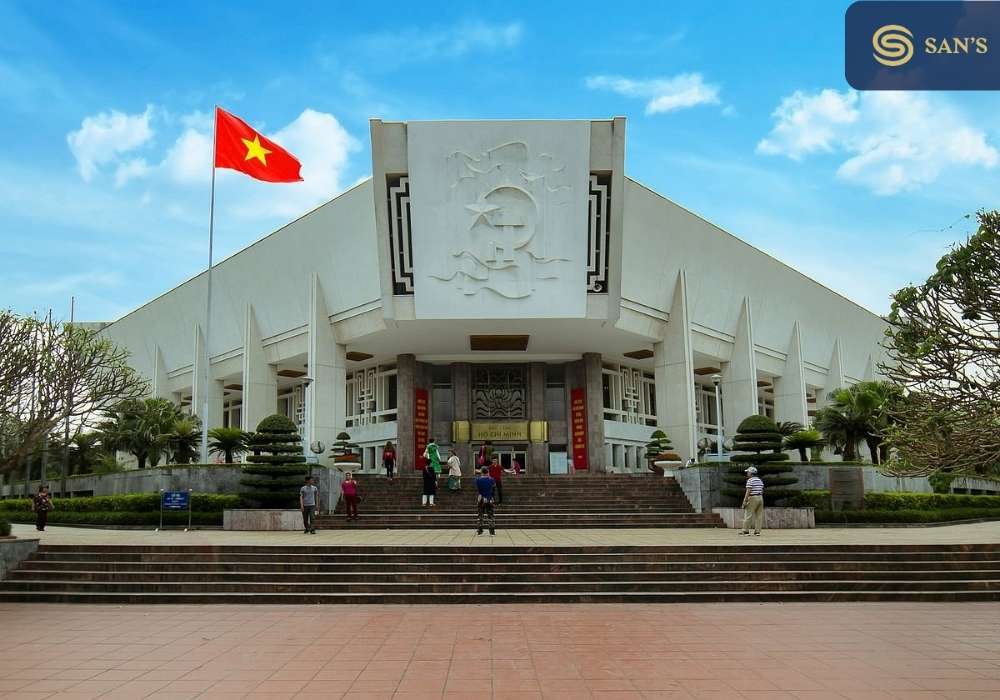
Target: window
[(442, 400), (371, 395), (629, 394)]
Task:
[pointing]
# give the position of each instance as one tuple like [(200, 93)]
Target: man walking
[(485, 486), (308, 503), (753, 503)]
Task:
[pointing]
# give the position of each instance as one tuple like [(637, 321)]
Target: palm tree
[(228, 441), (183, 440), (789, 427), (802, 440), (141, 427), (860, 412)]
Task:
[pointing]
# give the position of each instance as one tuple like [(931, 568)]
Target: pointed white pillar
[(213, 389), (260, 379), (739, 376), (327, 365), (161, 386), (869, 375), (673, 361), (790, 387), (834, 376)]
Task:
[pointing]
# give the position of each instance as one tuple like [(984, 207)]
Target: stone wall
[(774, 518), (200, 479), (14, 550)]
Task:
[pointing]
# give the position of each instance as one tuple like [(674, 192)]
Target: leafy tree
[(276, 468), (803, 440), (52, 372), (944, 349), (229, 442), (760, 443)]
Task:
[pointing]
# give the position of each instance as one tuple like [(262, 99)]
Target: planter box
[(774, 518), (262, 520)]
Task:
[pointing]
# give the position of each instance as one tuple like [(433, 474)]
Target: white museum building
[(503, 280)]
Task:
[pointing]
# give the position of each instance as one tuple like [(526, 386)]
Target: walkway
[(771, 652), (977, 533)]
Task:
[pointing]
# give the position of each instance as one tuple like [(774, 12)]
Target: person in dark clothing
[(389, 460), (349, 488), (496, 473), (41, 504), (485, 487), (430, 484)]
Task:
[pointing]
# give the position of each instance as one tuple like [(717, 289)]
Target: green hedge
[(57, 517), (904, 516), (4, 527), (130, 503), (820, 500)]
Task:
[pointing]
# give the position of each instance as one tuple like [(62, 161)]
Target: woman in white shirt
[(454, 472)]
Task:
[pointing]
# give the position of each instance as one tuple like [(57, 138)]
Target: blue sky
[(738, 111)]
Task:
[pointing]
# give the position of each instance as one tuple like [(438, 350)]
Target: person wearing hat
[(753, 503)]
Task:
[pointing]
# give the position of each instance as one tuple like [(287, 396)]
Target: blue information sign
[(175, 500)]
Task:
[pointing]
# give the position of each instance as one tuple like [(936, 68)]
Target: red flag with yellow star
[(239, 147)]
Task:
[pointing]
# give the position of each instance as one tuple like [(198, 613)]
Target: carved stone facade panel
[(499, 392)]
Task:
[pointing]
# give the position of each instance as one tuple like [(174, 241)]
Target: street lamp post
[(720, 433)]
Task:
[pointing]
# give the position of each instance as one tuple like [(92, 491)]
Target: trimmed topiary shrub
[(759, 444), (4, 527), (659, 447), (276, 467)]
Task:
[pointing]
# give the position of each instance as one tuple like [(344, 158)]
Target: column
[(260, 380), (538, 452), (461, 389), (673, 362), (630, 463), (869, 375), (739, 376), (790, 387), (618, 457), (212, 391), (595, 411), (161, 385), (406, 381), (326, 398)]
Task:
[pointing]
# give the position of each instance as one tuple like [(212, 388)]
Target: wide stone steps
[(591, 501), (307, 574)]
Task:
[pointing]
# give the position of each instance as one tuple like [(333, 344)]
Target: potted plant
[(660, 453), (344, 451)]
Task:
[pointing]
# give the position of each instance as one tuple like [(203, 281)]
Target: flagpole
[(206, 352)]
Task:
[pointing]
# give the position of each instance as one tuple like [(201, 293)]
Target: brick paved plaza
[(582, 651)]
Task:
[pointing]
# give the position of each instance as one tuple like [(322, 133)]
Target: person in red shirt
[(496, 473), (350, 490), (389, 460)]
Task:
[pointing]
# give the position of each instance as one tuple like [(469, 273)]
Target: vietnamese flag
[(239, 147)]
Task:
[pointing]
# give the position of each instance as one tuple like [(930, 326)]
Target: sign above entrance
[(516, 431)]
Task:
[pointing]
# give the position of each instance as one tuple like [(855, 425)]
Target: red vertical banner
[(578, 412), (420, 426)]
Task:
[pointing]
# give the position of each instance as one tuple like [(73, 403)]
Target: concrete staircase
[(543, 501), (493, 574)]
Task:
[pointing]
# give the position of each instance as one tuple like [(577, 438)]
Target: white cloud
[(130, 170), (893, 141), (189, 159), (809, 123), (422, 43), (66, 284), (103, 137), (662, 94)]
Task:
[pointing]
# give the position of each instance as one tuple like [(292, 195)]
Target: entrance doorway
[(508, 453)]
